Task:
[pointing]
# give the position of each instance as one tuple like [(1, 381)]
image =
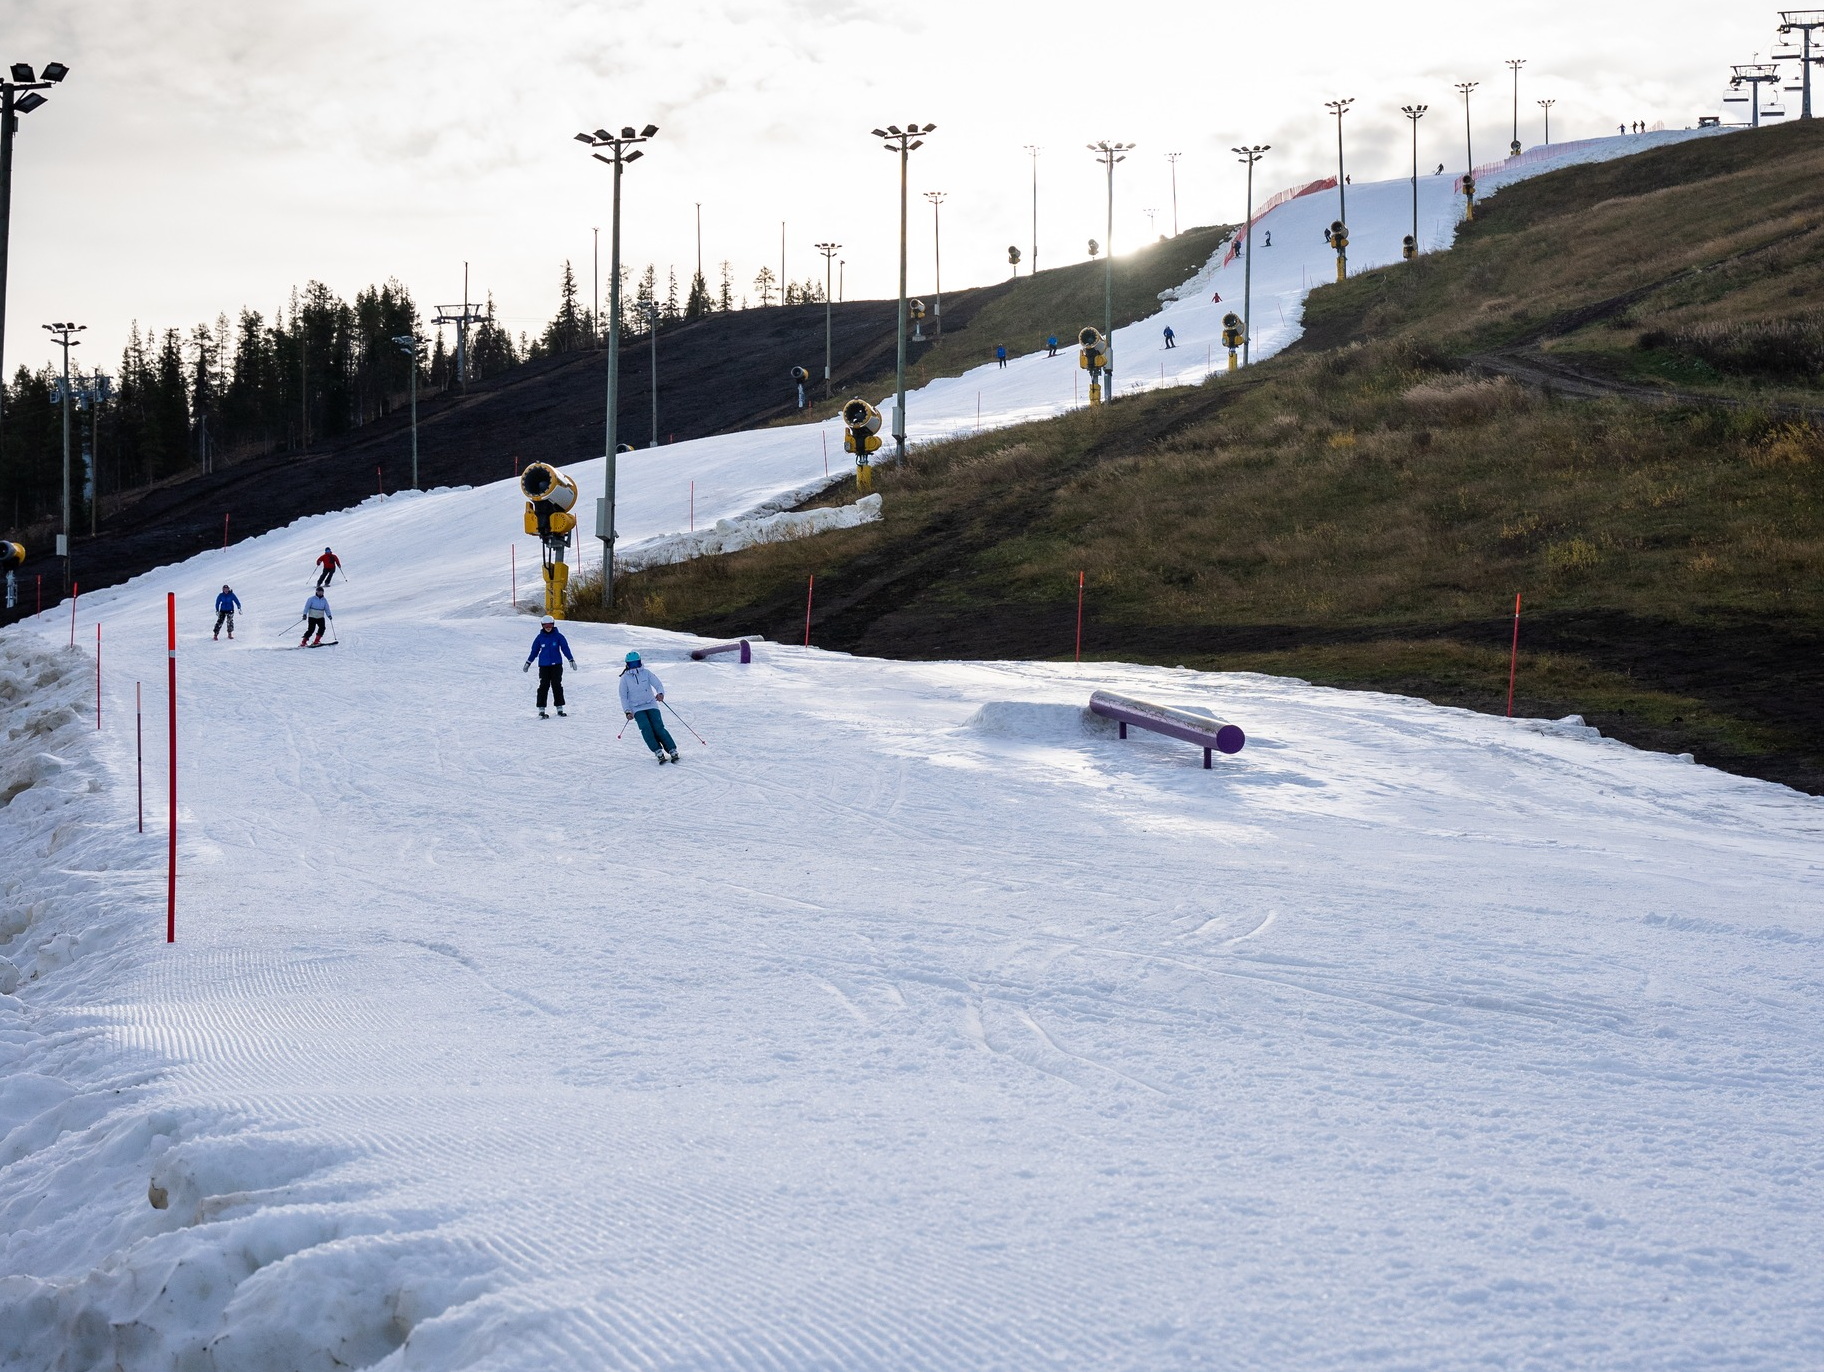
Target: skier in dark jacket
[(225, 605), (1171, 339), (641, 695), (550, 648)]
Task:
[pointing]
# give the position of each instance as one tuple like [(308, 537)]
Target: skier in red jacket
[(327, 566)]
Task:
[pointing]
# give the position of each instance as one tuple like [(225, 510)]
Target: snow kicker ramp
[(914, 1022)]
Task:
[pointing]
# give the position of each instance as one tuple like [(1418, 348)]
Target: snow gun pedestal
[(747, 653), (1212, 735)]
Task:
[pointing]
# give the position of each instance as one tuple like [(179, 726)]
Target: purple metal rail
[(747, 653), (1210, 734)]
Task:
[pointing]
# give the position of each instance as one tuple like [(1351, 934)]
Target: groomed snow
[(914, 1021)]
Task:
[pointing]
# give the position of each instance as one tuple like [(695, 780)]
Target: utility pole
[(1250, 156), (1514, 64), (19, 78), (625, 151), (829, 251), (1108, 154), (60, 334), (904, 143), (412, 345), (1173, 157), (1802, 22), (1546, 105), (937, 245), (1034, 149), (1469, 154), (1414, 113), (782, 262)]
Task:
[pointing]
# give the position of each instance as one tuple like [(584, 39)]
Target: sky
[(208, 155)]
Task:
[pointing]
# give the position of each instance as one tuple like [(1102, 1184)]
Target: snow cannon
[(801, 377), (1339, 239), (1409, 247), (11, 554), (861, 422), (1094, 359), (1469, 197), (550, 496), (1234, 334), (916, 308)]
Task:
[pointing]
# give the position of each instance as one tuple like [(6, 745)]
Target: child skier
[(1171, 339), (1051, 344), (327, 564), (225, 605), (1000, 353), (550, 648), (316, 610), (641, 693)]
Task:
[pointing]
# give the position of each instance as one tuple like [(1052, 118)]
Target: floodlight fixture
[(54, 72), (19, 94), (28, 102), (621, 151), (904, 142), (1172, 157), (1249, 155), (1033, 151), (22, 73), (61, 335), (1546, 105)]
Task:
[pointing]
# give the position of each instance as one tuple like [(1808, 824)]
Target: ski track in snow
[(914, 1022)]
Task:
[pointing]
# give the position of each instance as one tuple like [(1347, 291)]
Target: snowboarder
[(1000, 353), (1051, 343), (225, 605), (316, 610), (550, 647), (1440, 170), (328, 565), (641, 693), (1171, 339), (1269, 234)]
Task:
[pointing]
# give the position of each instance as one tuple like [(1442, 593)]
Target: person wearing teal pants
[(641, 694)]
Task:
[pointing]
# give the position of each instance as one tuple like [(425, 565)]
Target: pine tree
[(725, 298), (645, 299), (765, 283), (672, 311), (698, 303), (568, 328)]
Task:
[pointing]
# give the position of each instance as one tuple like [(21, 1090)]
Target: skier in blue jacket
[(225, 605), (641, 693), (550, 648)]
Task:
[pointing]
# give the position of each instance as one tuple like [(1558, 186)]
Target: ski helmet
[(547, 620), (633, 657)]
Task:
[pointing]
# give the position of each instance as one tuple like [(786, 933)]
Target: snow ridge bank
[(747, 531)]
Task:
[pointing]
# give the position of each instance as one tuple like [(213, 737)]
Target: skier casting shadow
[(550, 648), (641, 693), (225, 605), (327, 565), (316, 611)]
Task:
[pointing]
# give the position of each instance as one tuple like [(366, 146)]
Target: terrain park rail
[(1212, 735), (747, 653)]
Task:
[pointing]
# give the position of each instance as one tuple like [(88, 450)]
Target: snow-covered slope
[(914, 1021)]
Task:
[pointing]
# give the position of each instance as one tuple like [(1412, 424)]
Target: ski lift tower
[(1803, 23), (462, 317), (1754, 75)]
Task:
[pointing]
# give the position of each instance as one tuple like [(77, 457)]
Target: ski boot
[(659, 753), (560, 713), (674, 754), (543, 715)]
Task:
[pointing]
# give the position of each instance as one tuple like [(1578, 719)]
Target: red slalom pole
[(1513, 661), (171, 691), (379, 481), (809, 591), (225, 530), (513, 562), (75, 595), (139, 754), (1079, 616), (98, 676)]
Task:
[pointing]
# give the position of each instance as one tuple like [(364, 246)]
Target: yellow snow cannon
[(1234, 334), (1093, 358), (861, 422), (1469, 197), (550, 497), (11, 554), (1339, 239)]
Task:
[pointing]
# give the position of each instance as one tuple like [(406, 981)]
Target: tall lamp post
[(1546, 105), (1469, 154), (624, 149), (652, 338), (1249, 155), (1173, 157), (13, 103), (1514, 64), (1414, 113), (1033, 150), (60, 334), (829, 251), (937, 249), (1340, 230), (1108, 154), (904, 142), (413, 347)]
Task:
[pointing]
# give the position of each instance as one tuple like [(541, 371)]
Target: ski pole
[(686, 723)]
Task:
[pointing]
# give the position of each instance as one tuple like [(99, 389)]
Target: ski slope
[(914, 1022)]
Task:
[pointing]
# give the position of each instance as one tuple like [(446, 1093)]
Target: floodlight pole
[(1033, 149), (1249, 155), (937, 250), (595, 285), (1546, 105), (411, 344), (1514, 64), (625, 151), (11, 107), (894, 140), (1340, 108), (1469, 151), (1173, 157), (1803, 22), (829, 253), (60, 334), (1108, 154), (652, 318), (1414, 113)]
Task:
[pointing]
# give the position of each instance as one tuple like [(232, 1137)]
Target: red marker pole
[(75, 595), (1079, 616), (139, 754), (171, 691), (1513, 661), (809, 591), (224, 531), (379, 482), (98, 676)]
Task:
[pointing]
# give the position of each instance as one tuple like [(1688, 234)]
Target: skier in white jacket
[(641, 693)]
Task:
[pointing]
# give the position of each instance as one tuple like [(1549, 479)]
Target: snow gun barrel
[(700, 654), (11, 554), (1209, 734)]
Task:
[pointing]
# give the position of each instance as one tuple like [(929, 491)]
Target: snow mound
[(731, 535), (1037, 722)]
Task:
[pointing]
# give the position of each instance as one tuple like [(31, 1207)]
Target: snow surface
[(915, 1021), (732, 535)]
